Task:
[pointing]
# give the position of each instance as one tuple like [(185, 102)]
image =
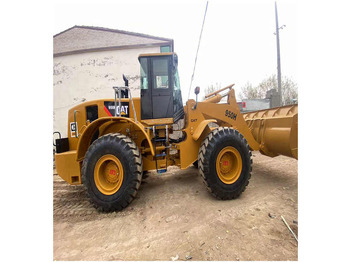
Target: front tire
[(111, 172), (225, 163)]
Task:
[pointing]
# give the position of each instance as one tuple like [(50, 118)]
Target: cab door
[(156, 88), (162, 91)]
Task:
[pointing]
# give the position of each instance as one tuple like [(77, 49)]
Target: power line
[(199, 42)]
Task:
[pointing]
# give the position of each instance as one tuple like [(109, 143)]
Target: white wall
[(89, 76)]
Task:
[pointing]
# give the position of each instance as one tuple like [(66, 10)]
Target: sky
[(238, 44)]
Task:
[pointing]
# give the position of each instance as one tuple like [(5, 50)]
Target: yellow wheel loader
[(112, 142)]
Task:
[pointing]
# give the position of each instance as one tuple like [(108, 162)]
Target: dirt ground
[(175, 218)]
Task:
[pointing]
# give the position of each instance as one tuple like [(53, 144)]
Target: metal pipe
[(166, 132), (158, 148), (279, 81), (120, 101), (118, 89), (132, 103), (75, 124), (214, 99), (115, 101), (290, 230), (218, 91)]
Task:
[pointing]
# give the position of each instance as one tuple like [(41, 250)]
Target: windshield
[(178, 107)]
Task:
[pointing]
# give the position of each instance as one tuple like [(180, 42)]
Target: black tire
[(126, 151), (211, 146)]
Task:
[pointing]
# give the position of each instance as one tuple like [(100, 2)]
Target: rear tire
[(111, 172), (225, 163)]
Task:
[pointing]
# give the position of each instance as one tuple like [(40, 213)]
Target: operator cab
[(160, 87)]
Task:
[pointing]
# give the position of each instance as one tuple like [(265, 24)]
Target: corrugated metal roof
[(79, 39)]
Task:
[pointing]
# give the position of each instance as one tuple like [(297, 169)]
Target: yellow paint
[(225, 114), (276, 130), (214, 99), (271, 131), (67, 168), (108, 174), (218, 91), (229, 165), (110, 125), (201, 127), (81, 117), (160, 121)]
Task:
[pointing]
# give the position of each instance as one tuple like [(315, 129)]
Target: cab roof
[(157, 54)]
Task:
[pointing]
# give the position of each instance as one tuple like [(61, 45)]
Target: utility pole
[(279, 82)]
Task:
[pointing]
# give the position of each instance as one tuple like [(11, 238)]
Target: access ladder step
[(160, 171), (159, 139), (161, 155)]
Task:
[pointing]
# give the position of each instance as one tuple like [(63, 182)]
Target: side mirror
[(126, 81), (196, 90)]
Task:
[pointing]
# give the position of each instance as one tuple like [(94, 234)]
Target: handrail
[(59, 134), (218, 91), (75, 124), (118, 89)]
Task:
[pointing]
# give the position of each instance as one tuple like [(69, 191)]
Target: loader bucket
[(276, 130)]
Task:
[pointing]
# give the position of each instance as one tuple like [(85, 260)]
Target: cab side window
[(160, 74)]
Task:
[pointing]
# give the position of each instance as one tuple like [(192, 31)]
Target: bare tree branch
[(289, 89)]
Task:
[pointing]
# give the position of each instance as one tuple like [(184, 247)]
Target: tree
[(289, 89), (248, 92), (211, 88)]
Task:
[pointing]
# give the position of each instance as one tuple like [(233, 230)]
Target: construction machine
[(111, 143)]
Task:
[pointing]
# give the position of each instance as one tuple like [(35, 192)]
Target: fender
[(83, 143), (200, 128)]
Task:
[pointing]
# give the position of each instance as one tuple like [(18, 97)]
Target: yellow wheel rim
[(229, 165), (108, 174)]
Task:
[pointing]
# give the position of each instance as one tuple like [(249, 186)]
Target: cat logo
[(73, 127), (110, 108)]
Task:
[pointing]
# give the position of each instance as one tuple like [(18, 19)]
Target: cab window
[(144, 70), (160, 73)]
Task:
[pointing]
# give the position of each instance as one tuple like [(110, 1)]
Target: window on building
[(165, 49)]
